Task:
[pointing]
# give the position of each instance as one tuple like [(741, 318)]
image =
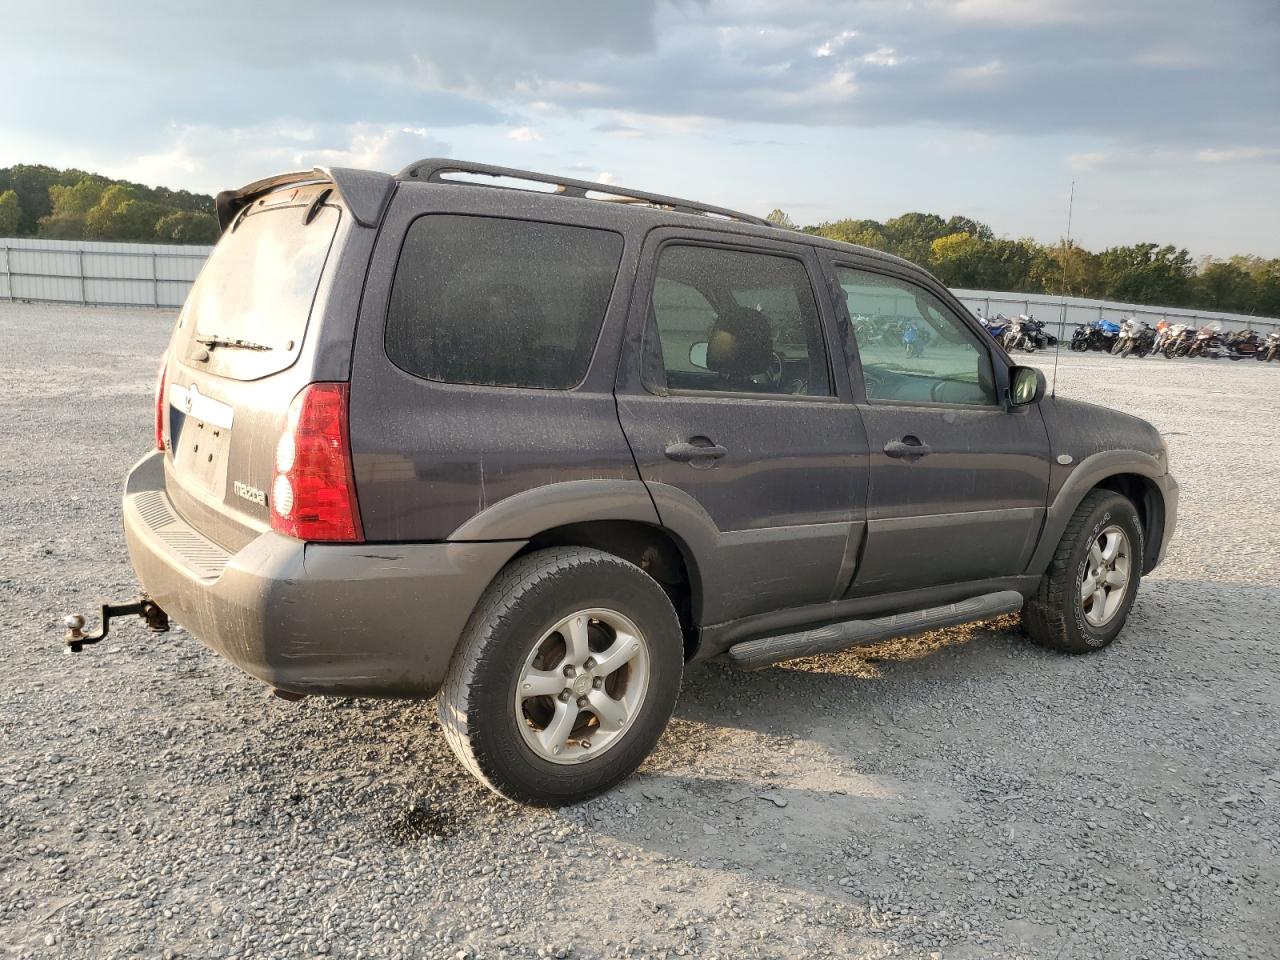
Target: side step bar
[(754, 654)]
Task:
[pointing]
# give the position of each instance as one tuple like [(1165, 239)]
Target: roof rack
[(436, 170)]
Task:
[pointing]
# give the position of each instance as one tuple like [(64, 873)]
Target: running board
[(754, 654)]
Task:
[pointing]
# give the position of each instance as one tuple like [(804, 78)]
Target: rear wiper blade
[(215, 341)]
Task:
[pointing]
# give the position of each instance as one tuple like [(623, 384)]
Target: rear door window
[(735, 321), (500, 302)]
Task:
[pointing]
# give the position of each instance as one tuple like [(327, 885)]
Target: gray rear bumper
[(349, 620)]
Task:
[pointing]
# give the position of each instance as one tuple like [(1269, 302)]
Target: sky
[(1165, 113)]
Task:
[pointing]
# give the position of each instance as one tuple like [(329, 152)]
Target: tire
[(1055, 617), (477, 703)]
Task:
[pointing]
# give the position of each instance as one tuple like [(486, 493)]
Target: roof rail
[(436, 169)]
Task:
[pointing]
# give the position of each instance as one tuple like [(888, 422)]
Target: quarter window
[(500, 302), (912, 347), (735, 321)]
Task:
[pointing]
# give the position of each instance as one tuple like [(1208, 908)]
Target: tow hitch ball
[(75, 638)]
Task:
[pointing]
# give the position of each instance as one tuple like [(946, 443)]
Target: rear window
[(258, 285), (500, 302)]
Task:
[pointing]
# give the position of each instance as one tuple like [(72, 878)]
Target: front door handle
[(908, 448), (686, 452)]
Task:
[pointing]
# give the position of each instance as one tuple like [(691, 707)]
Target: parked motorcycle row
[(1131, 337), (1022, 332)]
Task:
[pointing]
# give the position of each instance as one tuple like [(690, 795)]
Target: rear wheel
[(565, 678), (1084, 597)]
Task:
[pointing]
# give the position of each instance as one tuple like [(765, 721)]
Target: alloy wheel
[(582, 685), (1105, 577)]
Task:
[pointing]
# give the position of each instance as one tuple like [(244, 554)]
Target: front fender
[(1087, 475)]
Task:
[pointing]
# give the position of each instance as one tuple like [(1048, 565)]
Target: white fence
[(160, 275), (98, 274)]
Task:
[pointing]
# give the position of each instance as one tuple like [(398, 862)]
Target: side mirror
[(698, 355), (1026, 385)]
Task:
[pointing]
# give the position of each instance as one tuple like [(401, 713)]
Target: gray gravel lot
[(962, 795)]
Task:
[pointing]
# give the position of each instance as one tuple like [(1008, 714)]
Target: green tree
[(779, 218), (957, 259), (70, 206), (1066, 269), (863, 233), (10, 213), (1224, 286), (974, 228), (912, 234), (185, 227), (1147, 273), (121, 214)]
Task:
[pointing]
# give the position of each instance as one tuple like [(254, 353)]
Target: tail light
[(161, 377), (313, 496)]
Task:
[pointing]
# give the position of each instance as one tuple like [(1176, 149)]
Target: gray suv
[(528, 445)]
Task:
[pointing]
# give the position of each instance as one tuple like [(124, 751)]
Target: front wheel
[(565, 678), (1084, 597)]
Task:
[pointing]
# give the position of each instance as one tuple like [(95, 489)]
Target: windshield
[(249, 307)]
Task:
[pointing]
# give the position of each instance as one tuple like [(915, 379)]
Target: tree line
[(965, 253), (40, 201)]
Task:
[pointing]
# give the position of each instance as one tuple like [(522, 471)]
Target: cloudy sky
[(1166, 113)]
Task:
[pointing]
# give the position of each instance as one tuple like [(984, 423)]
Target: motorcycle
[(1240, 344), (1271, 349), (1103, 335), (1128, 327), (1024, 332), (1207, 342), (1178, 340), (1080, 338), (1136, 337), (996, 326)]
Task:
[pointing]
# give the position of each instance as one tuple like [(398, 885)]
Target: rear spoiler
[(364, 192)]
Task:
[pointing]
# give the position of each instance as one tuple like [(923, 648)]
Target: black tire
[(528, 598), (1054, 617)]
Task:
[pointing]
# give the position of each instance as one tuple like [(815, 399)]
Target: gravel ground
[(962, 795)]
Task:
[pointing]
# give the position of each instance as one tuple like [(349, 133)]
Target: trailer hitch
[(76, 639)]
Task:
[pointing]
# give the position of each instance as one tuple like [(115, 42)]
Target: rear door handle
[(685, 452), (908, 448)]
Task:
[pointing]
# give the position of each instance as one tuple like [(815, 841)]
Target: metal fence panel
[(98, 273), (1063, 314), (161, 274)]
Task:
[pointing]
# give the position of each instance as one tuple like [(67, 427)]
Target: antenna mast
[(1062, 323)]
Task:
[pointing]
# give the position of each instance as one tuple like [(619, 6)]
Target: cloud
[(881, 57), (1025, 12), (829, 47), (1130, 159), (1169, 74), (213, 159)]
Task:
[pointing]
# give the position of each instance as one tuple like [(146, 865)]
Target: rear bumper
[(348, 620)]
